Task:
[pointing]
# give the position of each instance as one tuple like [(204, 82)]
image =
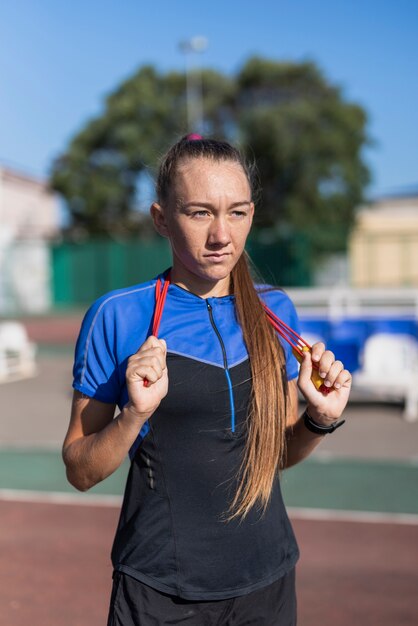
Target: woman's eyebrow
[(208, 205)]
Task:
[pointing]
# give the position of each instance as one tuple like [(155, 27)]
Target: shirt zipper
[(225, 360)]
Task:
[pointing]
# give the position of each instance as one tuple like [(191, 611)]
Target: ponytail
[(265, 445)]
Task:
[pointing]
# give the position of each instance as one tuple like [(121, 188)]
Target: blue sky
[(59, 59)]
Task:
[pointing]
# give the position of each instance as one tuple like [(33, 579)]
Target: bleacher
[(374, 332)]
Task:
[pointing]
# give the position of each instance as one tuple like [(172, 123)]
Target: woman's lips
[(217, 256)]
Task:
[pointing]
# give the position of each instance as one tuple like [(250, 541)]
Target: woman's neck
[(201, 287)]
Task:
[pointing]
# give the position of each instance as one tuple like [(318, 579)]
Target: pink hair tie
[(194, 137)]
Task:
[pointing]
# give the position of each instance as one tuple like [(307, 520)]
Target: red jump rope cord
[(160, 297), (297, 343), (291, 336)]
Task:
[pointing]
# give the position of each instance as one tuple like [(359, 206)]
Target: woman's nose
[(219, 232)]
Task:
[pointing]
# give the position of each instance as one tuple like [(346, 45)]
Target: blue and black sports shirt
[(172, 533)]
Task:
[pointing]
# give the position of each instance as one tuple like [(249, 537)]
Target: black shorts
[(135, 604)]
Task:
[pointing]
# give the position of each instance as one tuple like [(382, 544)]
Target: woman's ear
[(252, 209), (157, 214)]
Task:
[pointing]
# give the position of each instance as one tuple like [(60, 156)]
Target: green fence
[(84, 271), (284, 263)]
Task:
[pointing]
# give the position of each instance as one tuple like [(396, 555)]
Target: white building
[(29, 218), (28, 209)]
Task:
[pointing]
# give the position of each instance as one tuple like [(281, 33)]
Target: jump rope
[(296, 342)]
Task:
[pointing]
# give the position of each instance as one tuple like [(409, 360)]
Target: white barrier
[(17, 353)]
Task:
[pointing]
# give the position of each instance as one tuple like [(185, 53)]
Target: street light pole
[(190, 48)]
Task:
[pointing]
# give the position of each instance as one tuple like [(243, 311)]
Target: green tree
[(305, 137), (307, 141), (99, 172)]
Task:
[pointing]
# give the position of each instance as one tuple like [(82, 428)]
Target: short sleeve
[(95, 365)]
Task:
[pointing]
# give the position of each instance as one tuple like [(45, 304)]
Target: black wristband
[(318, 429)]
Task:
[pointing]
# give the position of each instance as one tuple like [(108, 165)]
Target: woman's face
[(207, 220)]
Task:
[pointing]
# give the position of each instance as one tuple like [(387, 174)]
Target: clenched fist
[(324, 408), (147, 364)]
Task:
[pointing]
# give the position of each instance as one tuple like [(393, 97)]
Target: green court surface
[(380, 486)]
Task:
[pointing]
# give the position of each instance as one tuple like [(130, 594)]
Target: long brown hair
[(265, 441)]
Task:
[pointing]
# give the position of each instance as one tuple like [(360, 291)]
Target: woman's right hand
[(97, 443), (148, 363)]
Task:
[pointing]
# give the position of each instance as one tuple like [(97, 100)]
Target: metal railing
[(345, 302)]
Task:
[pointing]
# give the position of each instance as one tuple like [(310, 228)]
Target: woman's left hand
[(324, 408)]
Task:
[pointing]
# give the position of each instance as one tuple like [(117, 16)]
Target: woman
[(208, 412)]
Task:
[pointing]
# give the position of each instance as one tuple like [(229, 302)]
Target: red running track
[(55, 569)]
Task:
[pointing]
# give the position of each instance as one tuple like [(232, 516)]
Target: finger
[(305, 371), (332, 374), (159, 351), (343, 379), (144, 372), (151, 360), (150, 353), (317, 351), (163, 345), (151, 342), (325, 363)]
